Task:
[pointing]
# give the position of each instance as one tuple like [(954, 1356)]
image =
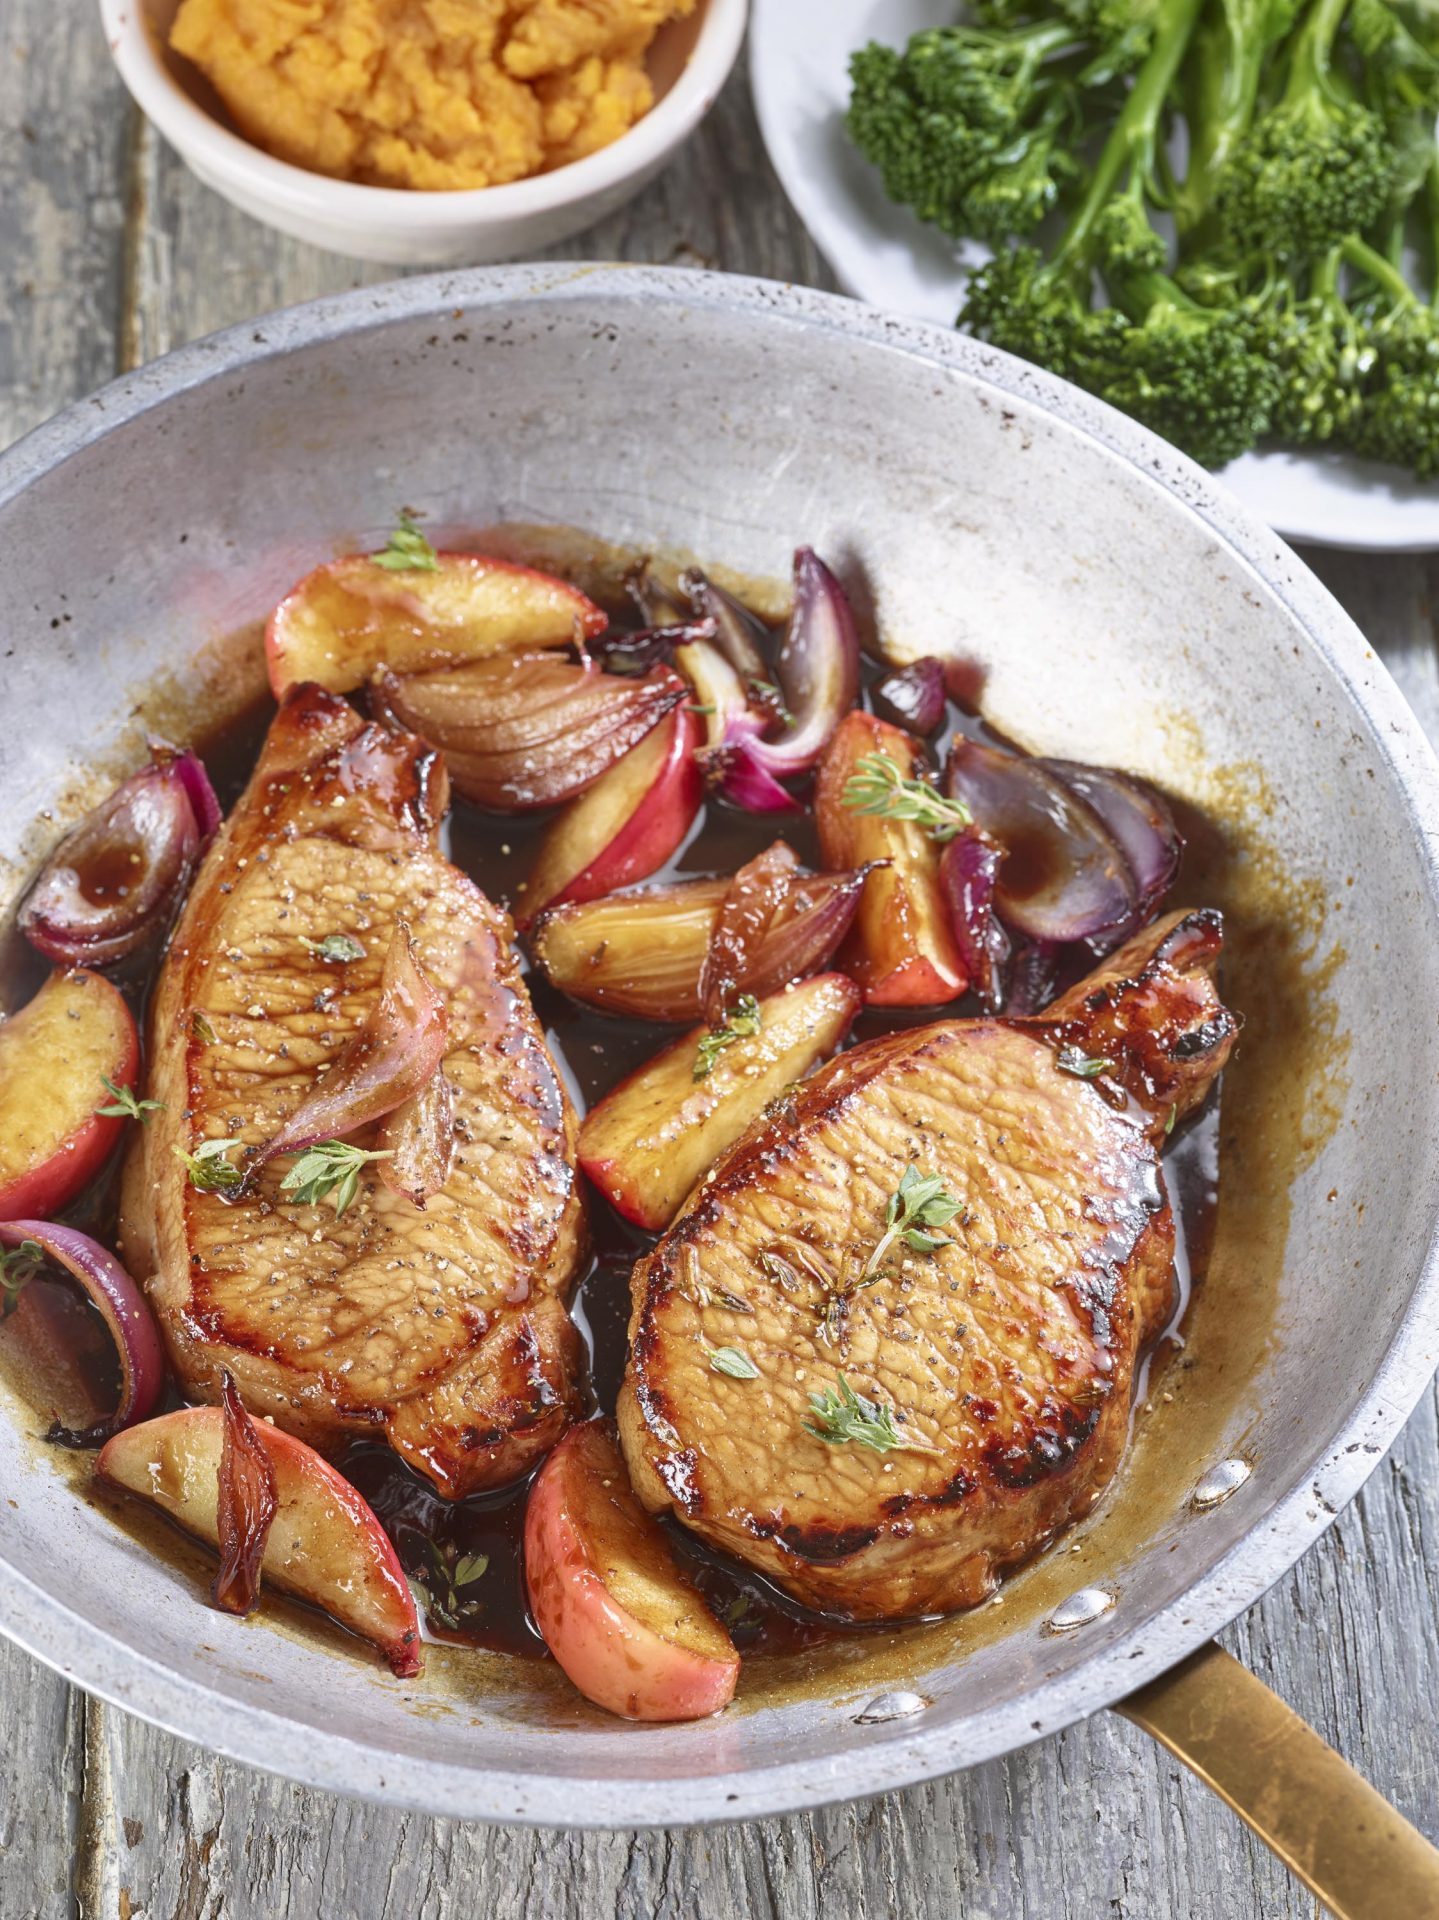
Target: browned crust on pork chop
[(444, 1329), (1007, 1357)]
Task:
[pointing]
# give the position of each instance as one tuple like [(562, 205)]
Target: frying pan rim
[(87, 1654)]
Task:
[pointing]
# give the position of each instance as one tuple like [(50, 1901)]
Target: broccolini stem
[(1431, 227), (1313, 44), (1370, 262), (1132, 140)]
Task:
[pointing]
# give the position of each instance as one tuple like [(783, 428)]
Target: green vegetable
[(329, 1167), (877, 786), (917, 1203), (335, 948), (842, 1415), (125, 1105), (407, 550), (1288, 307), (734, 1361), (18, 1266), (742, 1023), (209, 1170), (1082, 1065)]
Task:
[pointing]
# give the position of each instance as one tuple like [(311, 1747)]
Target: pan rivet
[(1217, 1485), (891, 1706), (1079, 1609)]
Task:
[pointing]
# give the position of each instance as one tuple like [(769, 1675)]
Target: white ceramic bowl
[(689, 63)]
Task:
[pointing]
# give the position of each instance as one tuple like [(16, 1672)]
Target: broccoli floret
[(975, 127), (1400, 417), (1317, 165), (1189, 372), (1320, 355)]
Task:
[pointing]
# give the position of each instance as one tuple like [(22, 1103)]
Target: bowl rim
[(84, 1651), (196, 134)]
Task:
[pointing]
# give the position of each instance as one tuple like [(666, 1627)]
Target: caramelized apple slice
[(900, 949), (351, 616), (627, 824), (614, 1609), (325, 1544), (649, 1141), (54, 1057)]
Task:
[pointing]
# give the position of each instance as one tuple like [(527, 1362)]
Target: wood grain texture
[(103, 1816)]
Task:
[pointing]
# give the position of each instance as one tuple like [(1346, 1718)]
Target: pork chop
[(1002, 1363), (443, 1328)]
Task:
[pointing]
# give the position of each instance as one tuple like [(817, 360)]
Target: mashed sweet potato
[(427, 93)]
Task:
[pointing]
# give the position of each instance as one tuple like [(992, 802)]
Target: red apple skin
[(325, 1544), (554, 612), (652, 828), (630, 1631), (901, 949), (52, 1055)]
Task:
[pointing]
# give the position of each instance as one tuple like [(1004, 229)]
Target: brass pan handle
[(1324, 1820)]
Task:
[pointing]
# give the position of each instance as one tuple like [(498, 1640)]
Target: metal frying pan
[(1119, 608)]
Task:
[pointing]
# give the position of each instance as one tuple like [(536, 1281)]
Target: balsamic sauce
[(439, 1542)]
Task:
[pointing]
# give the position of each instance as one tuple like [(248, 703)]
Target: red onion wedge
[(126, 1314), (111, 882), (1139, 819), (642, 952), (1033, 977), (659, 605), (818, 673), (719, 693), (913, 697), (634, 653), (757, 894), (391, 1059), (521, 731), (740, 635), (420, 1139), (246, 1507), (968, 875), (1064, 875)]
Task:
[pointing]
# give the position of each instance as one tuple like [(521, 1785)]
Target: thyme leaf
[(877, 786), (841, 1415), (1082, 1065), (918, 1203), (742, 1023), (127, 1106), (335, 948), (407, 550), (329, 1168), (734, 1361), (209, 1170), (18, 1267)]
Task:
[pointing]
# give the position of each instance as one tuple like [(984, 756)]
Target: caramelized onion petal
[(913, 697), (736, 768), (968, 874), (638, 953), (124, 1309), (247, 1504), (521, 731), (719, 693), (393, 1056), (816, 917), (818, 673), (1064, 877), (740, 635), (634, 653), (190, 771), (111, 882), (1139, 819), (420, 1137), (1033, 977), (755, 896)]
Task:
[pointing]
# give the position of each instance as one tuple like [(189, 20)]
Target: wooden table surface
[(110, 253)]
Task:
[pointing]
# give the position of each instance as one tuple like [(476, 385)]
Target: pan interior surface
[(1115, 608)]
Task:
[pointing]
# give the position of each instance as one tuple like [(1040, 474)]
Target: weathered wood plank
[(1096, 1821)]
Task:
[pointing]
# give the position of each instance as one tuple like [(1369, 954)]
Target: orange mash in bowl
[(431, 94)]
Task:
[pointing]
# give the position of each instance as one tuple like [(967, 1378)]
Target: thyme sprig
[(1082, 1065), (18, 1266), (877, 786), (331, 1168), (842, 1416), (918, 1203), (407, 550), (209, 1170), (126, 1106), (449, 1575), (741, 1023)]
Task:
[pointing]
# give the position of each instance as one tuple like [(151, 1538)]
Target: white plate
[(799, 53)]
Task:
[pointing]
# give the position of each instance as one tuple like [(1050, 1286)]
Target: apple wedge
[(900, 949), (54, 1057), (648, 1142), (628, 823), (616, 1612), (324, 1546), (352, 616)]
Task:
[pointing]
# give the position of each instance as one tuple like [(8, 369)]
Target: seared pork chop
[(444, 1329), (1004, 1360)]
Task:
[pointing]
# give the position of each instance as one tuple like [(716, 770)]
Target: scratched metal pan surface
[(1125, 609)]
